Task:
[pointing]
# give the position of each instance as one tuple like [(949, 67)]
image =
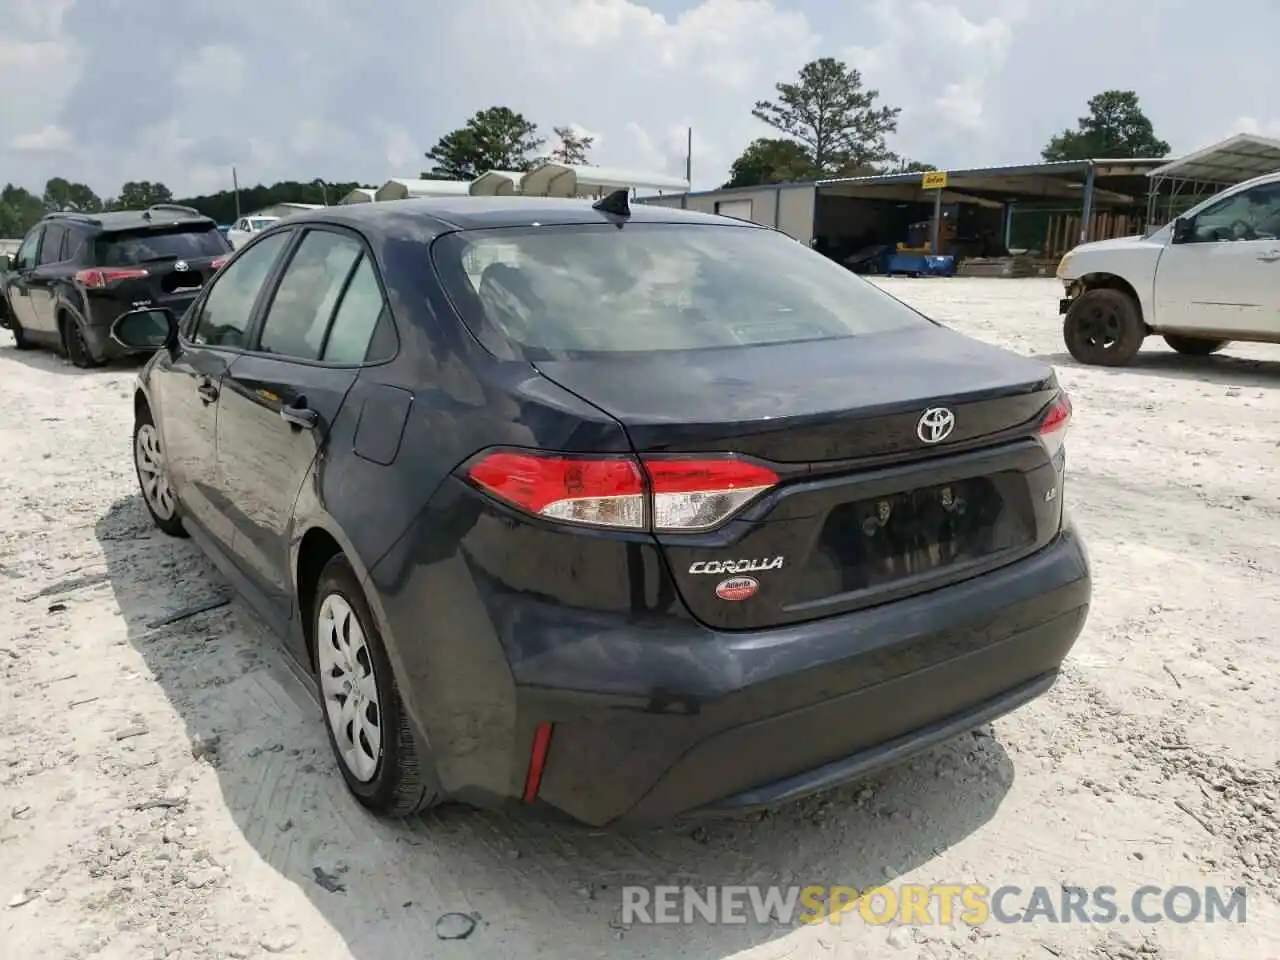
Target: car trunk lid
[(872, 503)]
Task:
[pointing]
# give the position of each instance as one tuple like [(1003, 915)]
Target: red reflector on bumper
[(537, 760)]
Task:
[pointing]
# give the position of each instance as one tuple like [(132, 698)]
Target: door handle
[(298, 414), (207, 391)]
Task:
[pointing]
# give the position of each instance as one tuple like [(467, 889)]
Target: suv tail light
[(680, 494), (100, 277), (1053, 426), (218, 262)]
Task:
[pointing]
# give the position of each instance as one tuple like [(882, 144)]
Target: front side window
[(26, 257), (308, 294), (1252, 214), (227, 309), (559, 291)]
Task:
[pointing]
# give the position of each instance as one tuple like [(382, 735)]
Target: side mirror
[(152, 327), (1184, 230)]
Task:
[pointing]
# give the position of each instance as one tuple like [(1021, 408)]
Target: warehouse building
[(1042, 209)]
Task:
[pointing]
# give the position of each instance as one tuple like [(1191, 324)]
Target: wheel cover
[(153, 476), (347, 685), (1100, 327)]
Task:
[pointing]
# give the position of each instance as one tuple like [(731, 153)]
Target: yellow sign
[(934, 180)]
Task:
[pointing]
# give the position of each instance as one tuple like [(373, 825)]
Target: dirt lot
[(167, 790)]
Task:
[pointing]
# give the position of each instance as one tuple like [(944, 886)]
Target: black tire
[(404, 782), (172, 524), (77, 346), (20, 341), (1194, 346), (1104, 328)]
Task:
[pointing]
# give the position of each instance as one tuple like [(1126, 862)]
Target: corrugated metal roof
[(565, 180), (1234, 160), (402, 188)]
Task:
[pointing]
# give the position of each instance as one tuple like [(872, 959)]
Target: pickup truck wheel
[(1194, 346), (1104, 328)]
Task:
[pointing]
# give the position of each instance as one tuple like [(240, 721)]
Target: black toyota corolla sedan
[(624, 510)]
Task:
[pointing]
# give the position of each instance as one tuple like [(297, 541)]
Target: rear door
[(188, 384), (41, 281), (280, 400), (166, 265)]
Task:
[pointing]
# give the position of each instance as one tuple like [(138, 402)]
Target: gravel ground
[(166, 790)]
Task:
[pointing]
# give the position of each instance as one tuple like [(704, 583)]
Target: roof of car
[(436, 215), (159, 215)]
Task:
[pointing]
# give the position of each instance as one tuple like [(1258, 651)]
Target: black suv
[(75, 274)]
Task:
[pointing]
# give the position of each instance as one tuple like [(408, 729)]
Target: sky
[(104, 91)]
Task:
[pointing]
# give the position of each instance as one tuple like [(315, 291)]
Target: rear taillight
[(694, 494), (1053, 427), (99, 277), (218, 262), (680, 494)]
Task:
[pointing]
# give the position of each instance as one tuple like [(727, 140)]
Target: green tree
[(20, 210), (572, 147), (140, 194), (771, 161), (221, 206), (1115, 129), (832, 116), (494, 139), (62, 194)]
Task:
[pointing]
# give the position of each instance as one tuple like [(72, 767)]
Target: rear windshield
[(563, 291), (150, 246)]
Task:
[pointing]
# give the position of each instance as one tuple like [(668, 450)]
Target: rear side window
[(308, 294), (51, 250), (357, 317), (559, 291), (152, 246)]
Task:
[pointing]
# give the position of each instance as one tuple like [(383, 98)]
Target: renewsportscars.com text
[(924, 905)]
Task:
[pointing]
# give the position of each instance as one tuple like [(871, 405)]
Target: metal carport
[(1180, 183)]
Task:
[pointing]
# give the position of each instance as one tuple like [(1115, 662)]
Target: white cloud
[(50, 138), (1261, 128)]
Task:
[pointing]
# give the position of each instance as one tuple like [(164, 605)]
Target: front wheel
[(1104, 328), (1194, 346), (364, 715), (153, 476), (20, 341)]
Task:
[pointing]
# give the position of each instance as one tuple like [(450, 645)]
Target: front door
[(17, 290), (1225, 277), (40, 282), (190, 384), (280, 401)]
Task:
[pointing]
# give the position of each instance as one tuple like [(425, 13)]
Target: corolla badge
[(935, 425), (736, 566)]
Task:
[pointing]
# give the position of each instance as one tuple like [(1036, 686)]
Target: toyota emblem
[(935, 425), (180, 265)]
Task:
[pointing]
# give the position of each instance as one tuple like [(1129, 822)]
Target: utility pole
[(235, 186), (688, 159)]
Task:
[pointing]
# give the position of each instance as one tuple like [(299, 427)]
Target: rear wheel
[(1104, 328), (78, 350), (153, 476), (364, 715), (1194, 346)]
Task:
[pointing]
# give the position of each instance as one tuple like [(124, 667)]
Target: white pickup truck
[(1209, 277)]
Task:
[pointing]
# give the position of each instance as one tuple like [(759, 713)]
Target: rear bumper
[(653, 723)]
